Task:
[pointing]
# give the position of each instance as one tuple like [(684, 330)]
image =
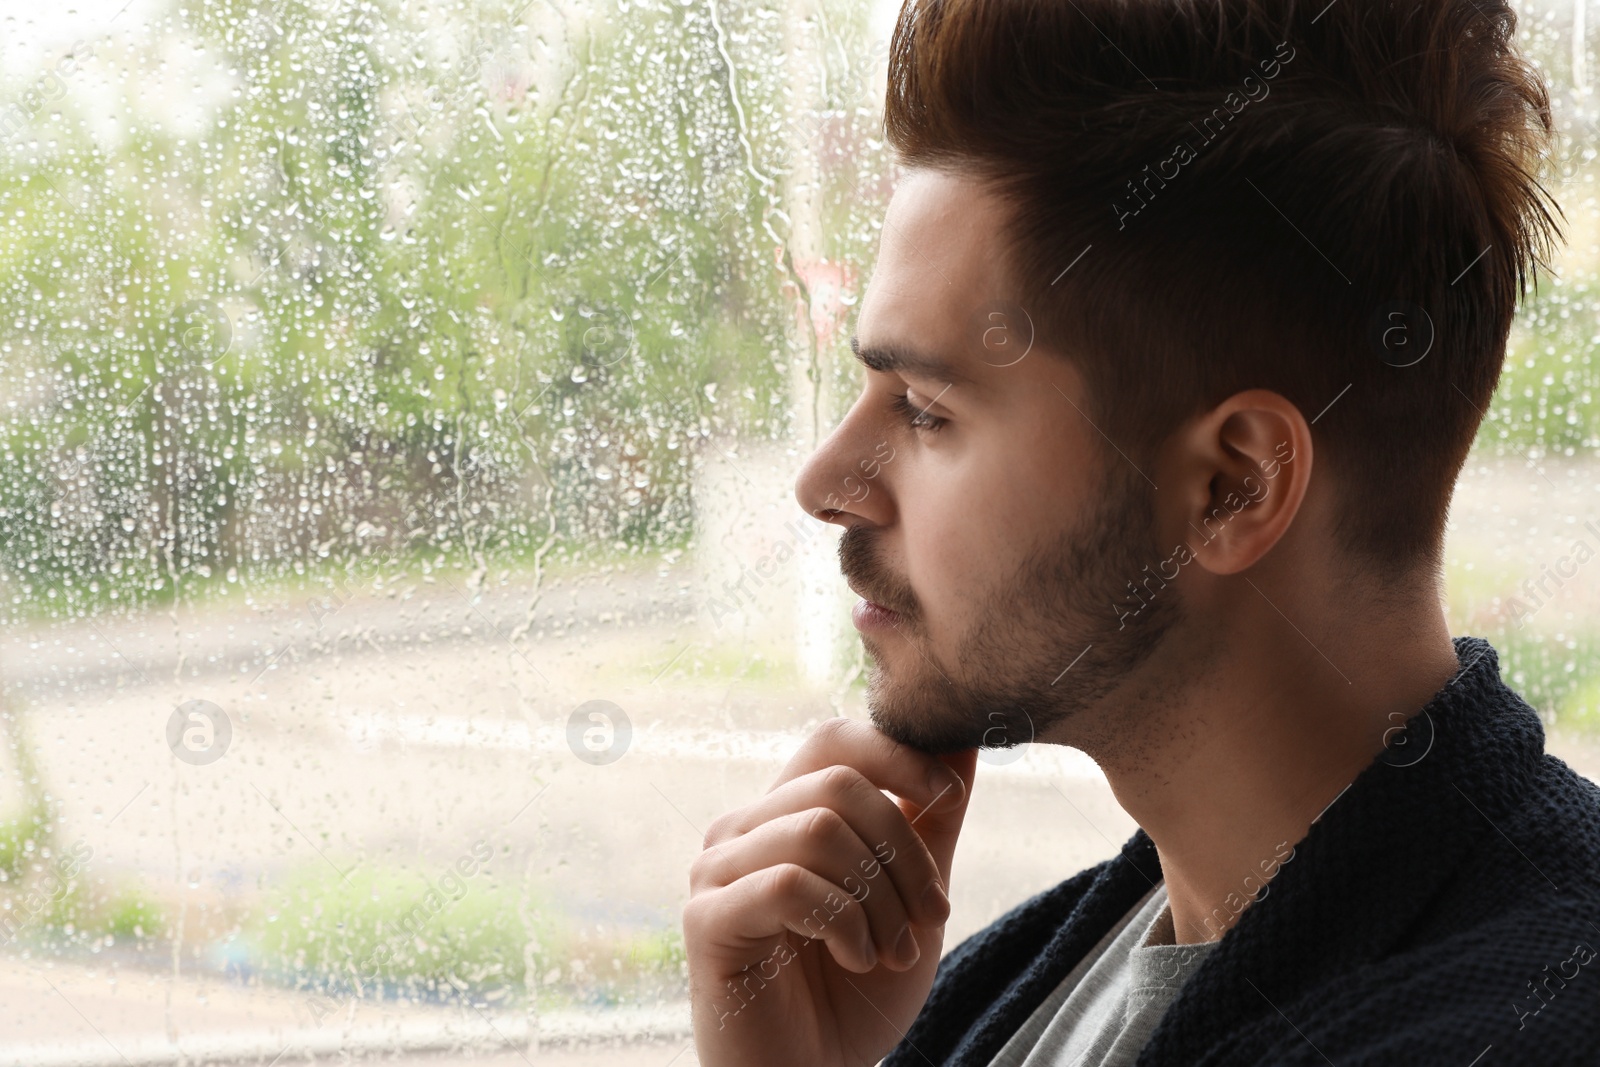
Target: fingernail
[(934, 903), (905, 949), (871, 952), (942, 779)]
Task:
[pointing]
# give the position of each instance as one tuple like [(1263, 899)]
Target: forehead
[(938, 262)]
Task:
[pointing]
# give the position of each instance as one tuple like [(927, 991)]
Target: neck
[(1226, 771)]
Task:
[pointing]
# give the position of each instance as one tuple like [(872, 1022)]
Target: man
[(1184, 320)]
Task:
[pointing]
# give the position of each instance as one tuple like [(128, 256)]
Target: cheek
[(964, 532), (969, 525), (946, 564)]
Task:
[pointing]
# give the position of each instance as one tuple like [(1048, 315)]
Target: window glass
[(399, 565)]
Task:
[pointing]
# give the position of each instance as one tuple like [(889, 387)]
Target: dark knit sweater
[(1445, 909)]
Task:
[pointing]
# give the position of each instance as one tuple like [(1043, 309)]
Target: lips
[(864, 594), (869, 615)]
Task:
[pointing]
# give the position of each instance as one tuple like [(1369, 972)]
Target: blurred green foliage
[(386, 253), (1546, 396), (393, 284), (394, 932), (20, 833)]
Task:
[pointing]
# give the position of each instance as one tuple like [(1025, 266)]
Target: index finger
[(933, 789)]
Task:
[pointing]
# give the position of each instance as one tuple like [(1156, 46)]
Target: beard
[(1038, 652)]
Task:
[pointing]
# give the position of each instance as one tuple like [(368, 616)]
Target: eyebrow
[(895, 358)]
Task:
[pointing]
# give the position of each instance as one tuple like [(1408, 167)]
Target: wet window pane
[(399, 563)]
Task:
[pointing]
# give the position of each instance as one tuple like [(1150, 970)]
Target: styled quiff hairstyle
[(1256, 194)]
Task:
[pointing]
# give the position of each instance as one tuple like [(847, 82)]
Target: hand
[(816, 914)]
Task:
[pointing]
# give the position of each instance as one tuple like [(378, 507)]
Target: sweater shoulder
[(1524, 985)]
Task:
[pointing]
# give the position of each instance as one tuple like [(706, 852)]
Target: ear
[(1243, 468)]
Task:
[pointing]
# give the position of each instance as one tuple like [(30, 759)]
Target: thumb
[(939, 824)]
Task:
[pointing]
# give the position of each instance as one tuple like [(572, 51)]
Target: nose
[(845, 481)]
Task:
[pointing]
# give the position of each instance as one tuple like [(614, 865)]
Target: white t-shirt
[(1104, 1011)]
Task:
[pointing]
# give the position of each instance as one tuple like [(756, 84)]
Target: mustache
[(863, 568)]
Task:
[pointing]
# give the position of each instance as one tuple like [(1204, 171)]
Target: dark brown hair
[(1271, 196)]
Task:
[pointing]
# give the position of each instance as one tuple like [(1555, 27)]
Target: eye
[(915, 415)]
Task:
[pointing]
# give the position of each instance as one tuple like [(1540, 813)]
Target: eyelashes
[(915, 417)]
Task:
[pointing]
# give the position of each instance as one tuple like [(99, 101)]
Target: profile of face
[(990, 529)]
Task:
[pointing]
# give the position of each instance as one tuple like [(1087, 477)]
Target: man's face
[(990, 529)]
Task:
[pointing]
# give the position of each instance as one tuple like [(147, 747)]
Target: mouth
[(868, 614)]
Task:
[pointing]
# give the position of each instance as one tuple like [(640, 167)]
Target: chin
[(920, 716)]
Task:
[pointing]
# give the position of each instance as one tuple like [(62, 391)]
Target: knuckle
[(694, 918), (701, 874), (722, 827), (786, 879), (822, 826), (832, 729), (844, 909), (841, 781)]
